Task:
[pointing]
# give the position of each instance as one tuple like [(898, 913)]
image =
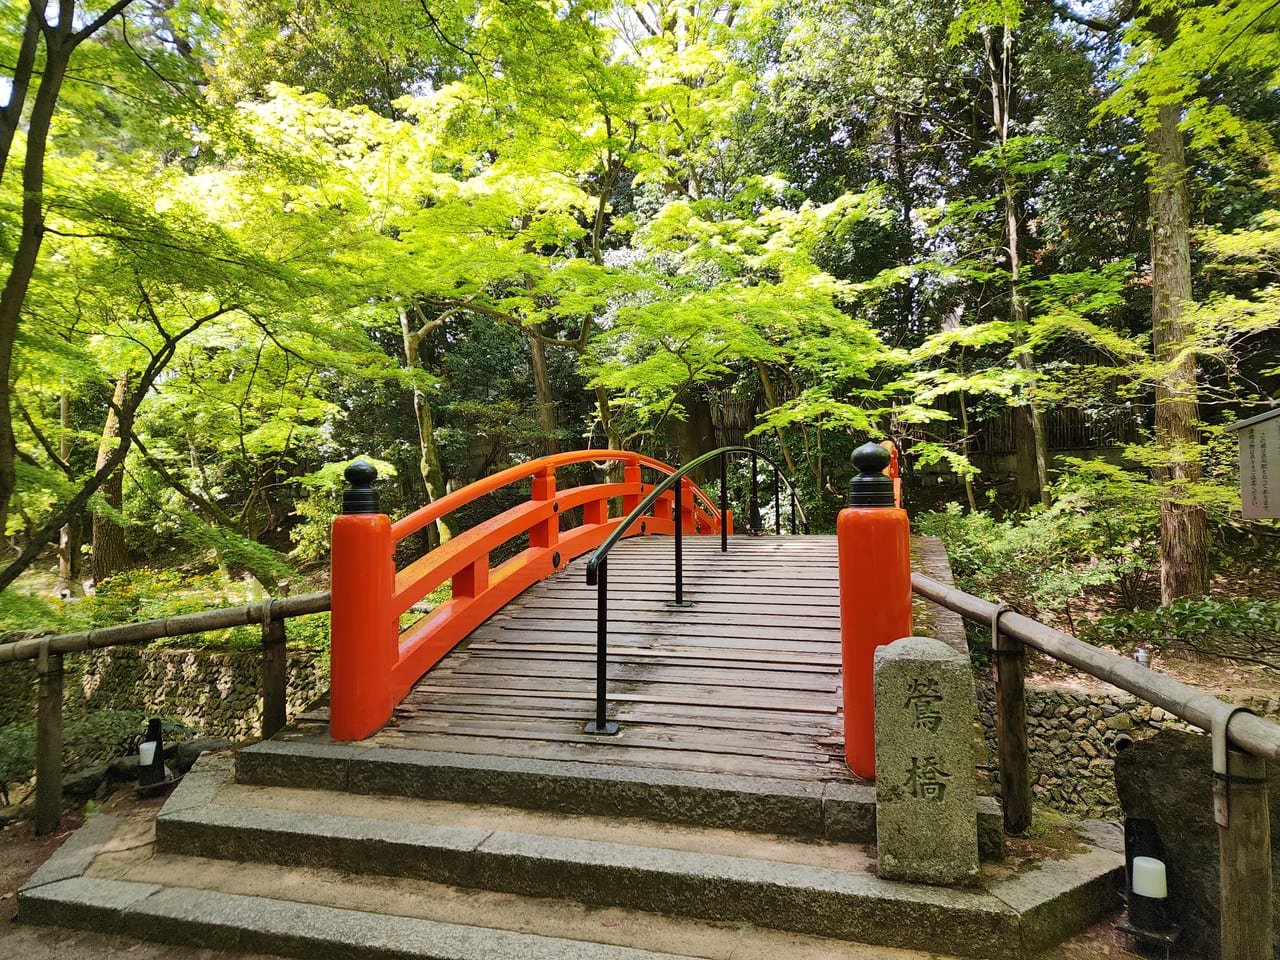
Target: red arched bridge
[(747, 635)]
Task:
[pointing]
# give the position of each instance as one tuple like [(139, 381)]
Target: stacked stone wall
[(1071, 732), (17, 692), (219, 692)]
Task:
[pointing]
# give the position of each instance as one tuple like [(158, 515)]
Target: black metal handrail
[(598, 564)]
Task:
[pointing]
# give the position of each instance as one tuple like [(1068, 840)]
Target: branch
[(42, 439), (129, 240), (180, 488), (1117, 20), (495, 314), (23, 71), (445, 39), (106, 17), (176, 85)]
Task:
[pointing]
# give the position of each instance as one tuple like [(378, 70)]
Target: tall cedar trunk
[(110, 550), (1032, 458), (1184, 532), (546, 399), (429, 459), (696, 435)]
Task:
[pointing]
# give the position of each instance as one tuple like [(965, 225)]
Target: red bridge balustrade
[(373, 664)]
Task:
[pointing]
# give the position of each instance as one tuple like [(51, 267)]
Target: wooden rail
[(48, 652), (1242, 741)]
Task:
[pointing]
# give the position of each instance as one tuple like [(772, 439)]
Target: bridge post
[(364, 630), (874, 548), (631, 477), (547, 532)]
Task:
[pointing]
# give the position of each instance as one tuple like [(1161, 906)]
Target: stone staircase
[(316, 849)]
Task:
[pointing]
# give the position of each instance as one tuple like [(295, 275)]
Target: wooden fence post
[(1011, 727), (275, 670), (49, 742), (1244, 861)]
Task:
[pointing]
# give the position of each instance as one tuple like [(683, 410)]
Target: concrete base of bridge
[(331, 850)]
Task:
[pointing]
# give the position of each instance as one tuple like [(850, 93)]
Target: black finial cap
[(871, 488), (360, 497)]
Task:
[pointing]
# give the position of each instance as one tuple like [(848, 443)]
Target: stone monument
[(926, 828)]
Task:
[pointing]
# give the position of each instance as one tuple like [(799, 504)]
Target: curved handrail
[(678, 475), (415, 521), (597, 565)]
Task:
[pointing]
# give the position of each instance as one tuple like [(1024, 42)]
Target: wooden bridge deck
[(745, 680)]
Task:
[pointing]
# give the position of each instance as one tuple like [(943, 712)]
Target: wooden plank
[(623, 679), (533, 700), (622, 629), (550, 615), (744, 698), (746, 680), (622, 672), (649, 736), (728, 657), (723, 719), (678, 643)]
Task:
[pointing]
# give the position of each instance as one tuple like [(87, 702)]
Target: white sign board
[(1260, 465)]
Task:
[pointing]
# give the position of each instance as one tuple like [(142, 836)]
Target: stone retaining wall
[(216, 691), (17, 692), (1071, 733)]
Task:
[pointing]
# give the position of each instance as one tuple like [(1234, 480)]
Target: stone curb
[(213, 920), (843, 812), (72, 859)]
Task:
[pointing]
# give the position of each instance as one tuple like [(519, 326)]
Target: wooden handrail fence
[(48, 652), (1242, 742)]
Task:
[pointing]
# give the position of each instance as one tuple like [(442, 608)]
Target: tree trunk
[(1184, 533), (110, 551), (771, 401), (696, 435), (58, 49), (429, 460), (70, 536), (60, 42), (546, 399), (612, 440), (1032, 453)]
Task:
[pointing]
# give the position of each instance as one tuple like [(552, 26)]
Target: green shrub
[(1242, 630), (149, 594), (1099, 531), (17, 756)]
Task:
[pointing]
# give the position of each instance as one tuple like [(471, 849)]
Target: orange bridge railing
[(373, 664)]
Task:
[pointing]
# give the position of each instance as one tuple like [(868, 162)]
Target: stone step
[(843, 812), (786, 884), (126, 886)]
